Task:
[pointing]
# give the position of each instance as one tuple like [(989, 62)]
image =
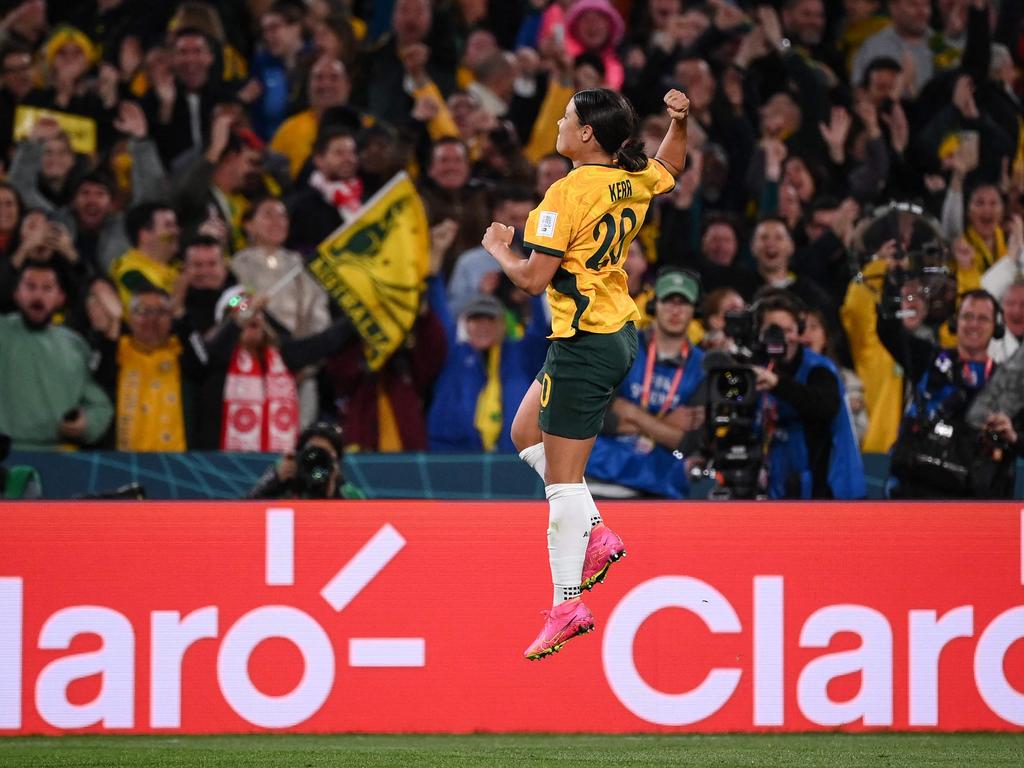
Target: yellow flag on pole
[(374, 266)]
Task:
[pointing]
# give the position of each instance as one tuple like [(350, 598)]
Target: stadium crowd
[(171, 167)]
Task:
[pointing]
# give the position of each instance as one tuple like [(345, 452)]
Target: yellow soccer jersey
[(588, 219)]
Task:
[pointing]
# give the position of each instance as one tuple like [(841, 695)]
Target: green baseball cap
[(677, 284)]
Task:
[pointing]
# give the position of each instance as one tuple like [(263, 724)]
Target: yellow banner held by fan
[(81, 131), (374, 265)]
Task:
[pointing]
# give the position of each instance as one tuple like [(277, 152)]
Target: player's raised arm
[(672, 152), (531, 275)]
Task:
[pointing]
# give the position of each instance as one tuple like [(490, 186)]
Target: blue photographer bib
[(787, 454), (630, 460)]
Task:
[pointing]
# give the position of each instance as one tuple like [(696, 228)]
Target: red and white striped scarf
[(346, 196), (261, 404)]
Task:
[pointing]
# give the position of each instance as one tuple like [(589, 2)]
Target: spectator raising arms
[(251, 132), (250, 398)]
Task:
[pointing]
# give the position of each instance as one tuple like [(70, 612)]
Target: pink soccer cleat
[(603, 549), (561, 624)]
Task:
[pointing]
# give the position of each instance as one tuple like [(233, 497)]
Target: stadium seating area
[(203, 203)]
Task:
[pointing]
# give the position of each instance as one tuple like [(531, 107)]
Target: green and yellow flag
[(81, 130), (374, 266)]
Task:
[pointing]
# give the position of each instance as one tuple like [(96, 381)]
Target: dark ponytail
[(615, 124), (631, 155)]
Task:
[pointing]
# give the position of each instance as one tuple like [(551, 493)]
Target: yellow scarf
[(389, 439), (488, 417), (1018, 158), (137, 264), (981, 251)]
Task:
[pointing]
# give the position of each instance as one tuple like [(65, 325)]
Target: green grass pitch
[(756, 751)]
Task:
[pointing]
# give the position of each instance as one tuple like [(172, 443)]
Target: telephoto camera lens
[(732, 385), (313, 475)]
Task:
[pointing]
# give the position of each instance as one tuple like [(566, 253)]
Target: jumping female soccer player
[(580, 235)]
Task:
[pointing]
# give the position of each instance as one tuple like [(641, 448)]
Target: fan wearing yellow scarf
[(486, 373), (984, 233)]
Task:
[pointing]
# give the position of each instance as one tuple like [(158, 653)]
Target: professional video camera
[(922, 251), (753, 348), (936, 450), (944, 454), (736, 460), (736, 453)]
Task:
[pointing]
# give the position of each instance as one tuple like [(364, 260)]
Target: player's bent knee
[(522, 437), (525, 429)]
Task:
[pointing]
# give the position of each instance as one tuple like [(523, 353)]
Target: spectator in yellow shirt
[(152, 230), (329, 89)]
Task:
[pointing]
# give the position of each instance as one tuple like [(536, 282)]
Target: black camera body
[(941, 452), (314, 467), (934, 452), (930, 277), (754, 348), (737, 458)]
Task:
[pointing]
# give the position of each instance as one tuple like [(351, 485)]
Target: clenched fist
[(497, 235), (677, 105)]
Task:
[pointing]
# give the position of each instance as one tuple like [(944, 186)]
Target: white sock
[(568, 534), (595, 516), (534, 456)]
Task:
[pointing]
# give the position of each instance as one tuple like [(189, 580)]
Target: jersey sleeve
[(549, 226), (661, 178)]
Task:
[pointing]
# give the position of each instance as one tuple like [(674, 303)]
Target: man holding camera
[(312, 471), (812, 450), (937, 453)]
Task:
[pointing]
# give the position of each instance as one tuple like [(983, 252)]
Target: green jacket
[(45, 374)]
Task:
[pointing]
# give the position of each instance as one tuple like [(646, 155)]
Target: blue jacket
[(617, 459), (787, 454), (945, 376), (272, 107), (450, 421)]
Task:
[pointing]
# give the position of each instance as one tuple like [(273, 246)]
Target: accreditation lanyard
[(645, 395), (769, 419), (968, 374)]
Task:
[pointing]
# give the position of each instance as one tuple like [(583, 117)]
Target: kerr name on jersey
[(620, 189)]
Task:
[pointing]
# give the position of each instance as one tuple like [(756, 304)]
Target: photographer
[(812, 448), (312, 471), (937, 453)]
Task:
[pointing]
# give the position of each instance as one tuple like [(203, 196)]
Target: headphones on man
[(980, 293), (781, 300), (652, 303)]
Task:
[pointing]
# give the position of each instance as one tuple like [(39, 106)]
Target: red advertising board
[(413, 616)]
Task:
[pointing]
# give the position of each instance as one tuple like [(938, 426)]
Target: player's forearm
[(520, 271), (672, 151)]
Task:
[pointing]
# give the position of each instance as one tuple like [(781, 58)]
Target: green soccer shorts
[(579, 379)]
